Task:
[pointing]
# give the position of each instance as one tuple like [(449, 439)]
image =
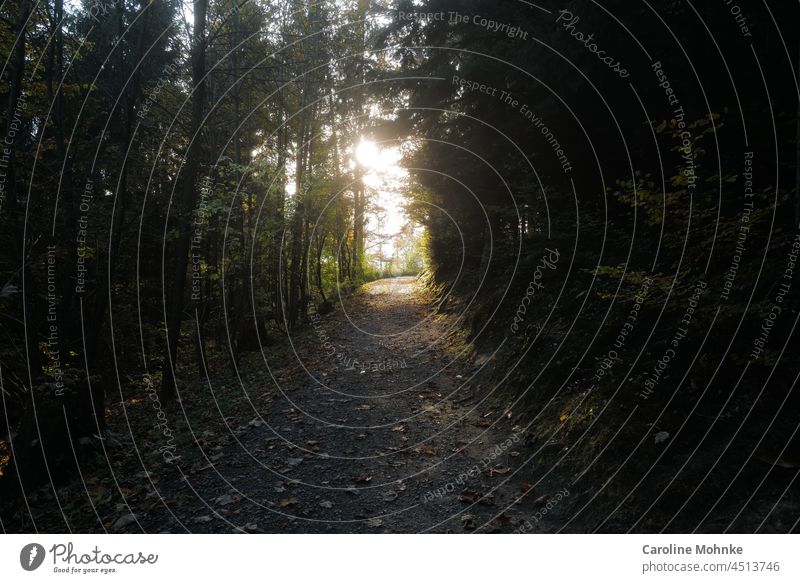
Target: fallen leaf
[(472, 497), (661, 436), (225, 500), (362, 479), (98, 494), (124, 521), (497, 470), (290, 501), (467, 521)]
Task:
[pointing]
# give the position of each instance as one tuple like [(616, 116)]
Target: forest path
[(366, 426)]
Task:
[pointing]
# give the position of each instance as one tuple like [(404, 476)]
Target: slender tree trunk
[(14, 110), (359, 207), (298, 227), (187, 199), (133, 95), (359, 194), (797, 159), (241, 312), (320, 249)]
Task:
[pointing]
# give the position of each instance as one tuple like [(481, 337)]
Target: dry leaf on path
[(124, 521), (473, 497), (495, 471)]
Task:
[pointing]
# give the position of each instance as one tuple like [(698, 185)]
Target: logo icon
[(31, 556)]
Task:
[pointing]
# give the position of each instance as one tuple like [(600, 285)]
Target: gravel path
[(368, 426)]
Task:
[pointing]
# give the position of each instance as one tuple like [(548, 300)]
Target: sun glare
[(386, 179), (374, 158), (369, 155)]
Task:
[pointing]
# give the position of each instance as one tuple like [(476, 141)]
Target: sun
[(386, 180), (369, 155)]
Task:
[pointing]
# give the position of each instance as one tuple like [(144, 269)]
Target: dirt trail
[(366, 426)]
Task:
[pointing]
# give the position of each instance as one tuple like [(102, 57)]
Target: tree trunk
[(797, 159), (13, 109), (186, 204), (121, 196)]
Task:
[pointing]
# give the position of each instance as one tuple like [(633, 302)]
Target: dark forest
[(395, 266)]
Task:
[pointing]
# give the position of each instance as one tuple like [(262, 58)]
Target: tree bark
[(15, 106), (186, 202)]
